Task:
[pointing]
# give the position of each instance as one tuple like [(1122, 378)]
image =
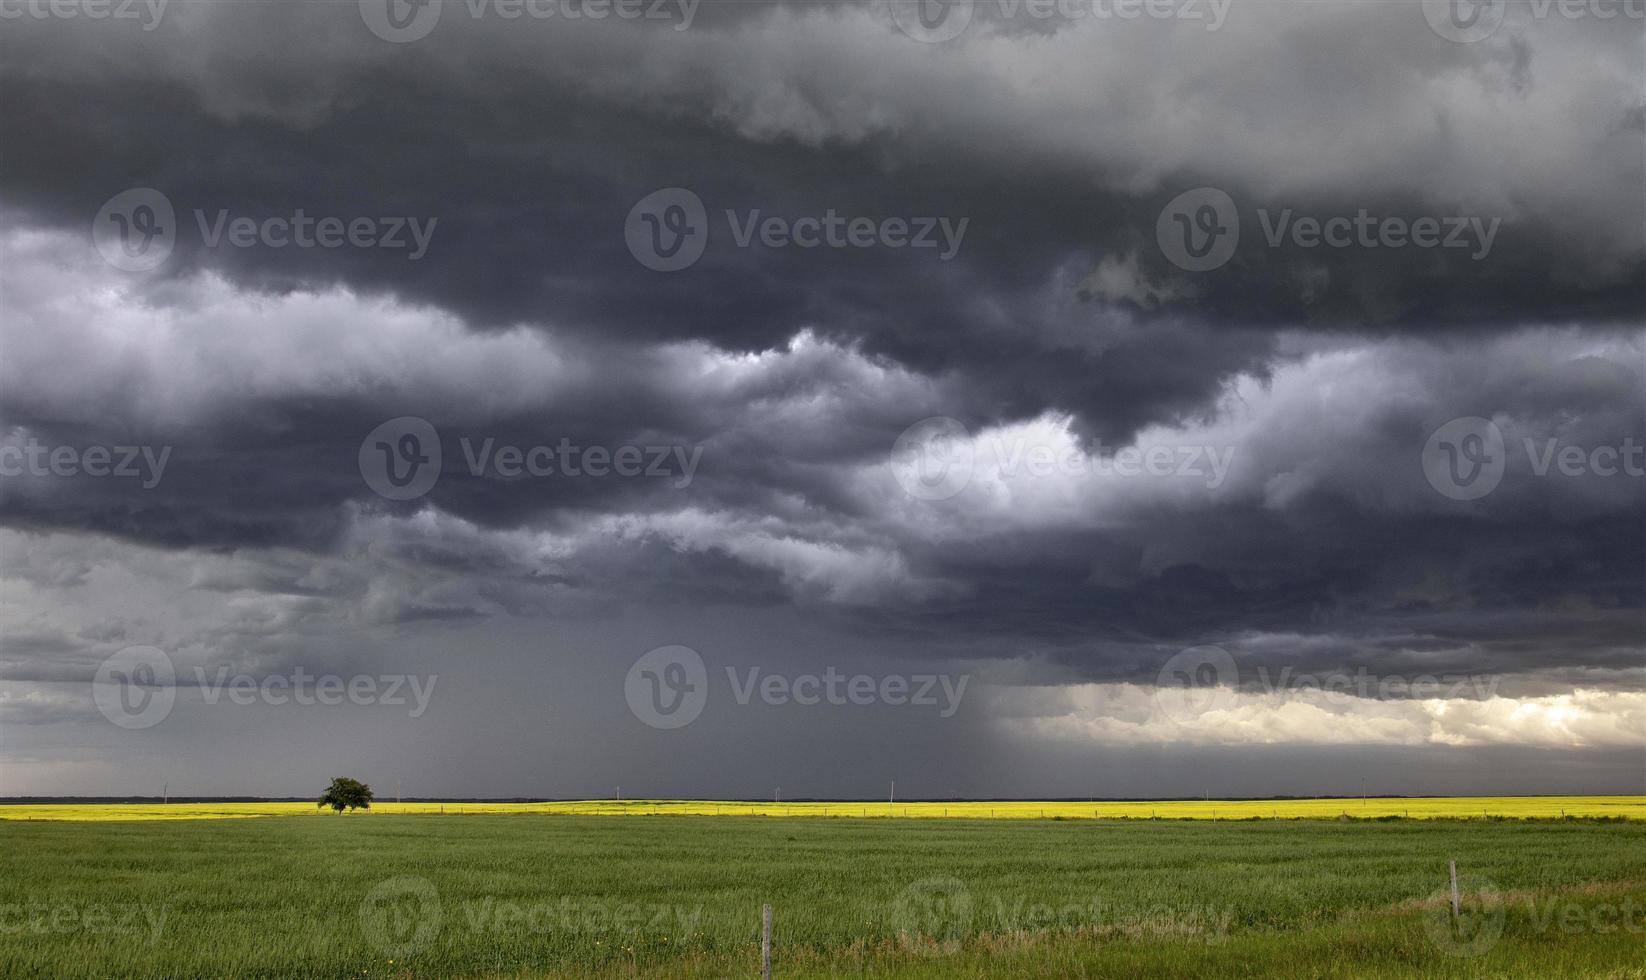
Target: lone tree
[(345, 793)]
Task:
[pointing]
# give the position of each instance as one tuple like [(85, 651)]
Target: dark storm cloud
[(540, 239), (1059, 320), (1326, 527), (362, 127)]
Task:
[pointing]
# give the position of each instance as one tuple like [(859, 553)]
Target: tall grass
[(419, 895)]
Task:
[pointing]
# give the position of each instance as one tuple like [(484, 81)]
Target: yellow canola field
[(1631, 807)]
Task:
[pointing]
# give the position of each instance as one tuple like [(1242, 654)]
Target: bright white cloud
[(1130, 714)]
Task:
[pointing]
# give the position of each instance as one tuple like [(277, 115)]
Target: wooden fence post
[(765, 942)]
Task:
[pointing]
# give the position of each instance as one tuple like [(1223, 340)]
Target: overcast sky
[(724, 399)]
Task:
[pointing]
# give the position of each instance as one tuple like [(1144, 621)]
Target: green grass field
[(674, 896)]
